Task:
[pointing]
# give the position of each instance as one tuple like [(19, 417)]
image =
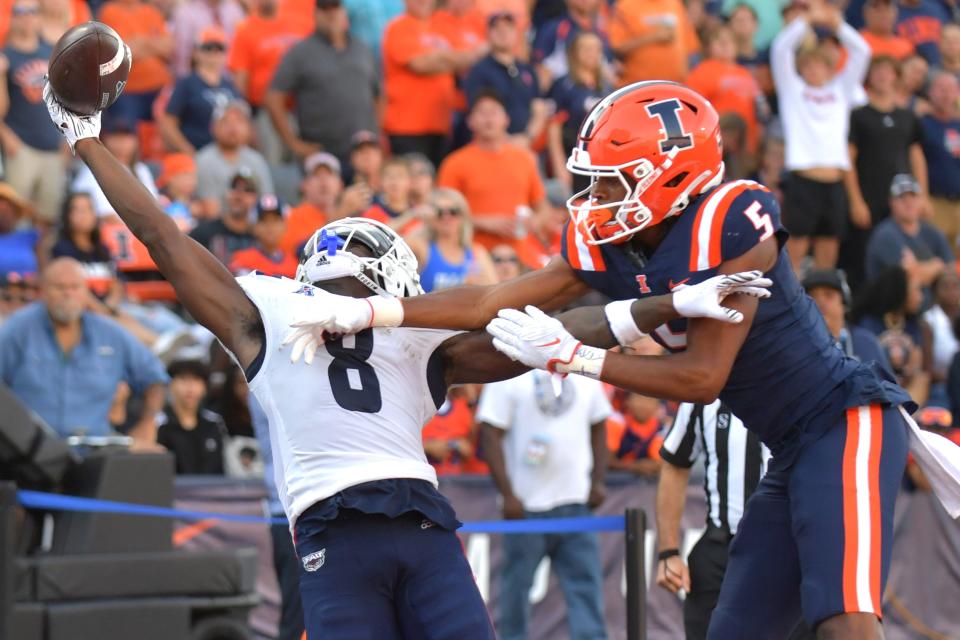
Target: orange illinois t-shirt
[(302, 222), (731, 88), (416, 104), (893, 46), (258, 47), (132, 20), (494, 182), (661, 61)]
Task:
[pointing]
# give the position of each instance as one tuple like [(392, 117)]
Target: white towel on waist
[(939, 459)]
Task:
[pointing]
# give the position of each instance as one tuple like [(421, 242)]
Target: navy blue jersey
[(789, 369)]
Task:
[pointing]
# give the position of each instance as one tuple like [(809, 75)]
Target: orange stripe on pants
[(876, 531), (850, 531)]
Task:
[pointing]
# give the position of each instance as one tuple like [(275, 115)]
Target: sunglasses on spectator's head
[(212, 46), (328, 4), (448, 211), (25, 10)]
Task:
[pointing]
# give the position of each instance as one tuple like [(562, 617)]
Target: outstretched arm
[(203, 285), (472, 307), (695, 375)]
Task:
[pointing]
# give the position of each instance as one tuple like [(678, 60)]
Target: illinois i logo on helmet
[(661, 141)]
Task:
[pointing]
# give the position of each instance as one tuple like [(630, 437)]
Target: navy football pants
[(816, 537), (382, 578)]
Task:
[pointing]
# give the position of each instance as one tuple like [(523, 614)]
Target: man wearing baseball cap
[(266, 256), (231, 232), (319, 190), (904, 239), (829, 290)]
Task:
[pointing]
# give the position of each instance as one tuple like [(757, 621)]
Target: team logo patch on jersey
[(305, 290), (315, 560)]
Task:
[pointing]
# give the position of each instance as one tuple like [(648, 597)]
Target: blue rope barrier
[(56, 502)]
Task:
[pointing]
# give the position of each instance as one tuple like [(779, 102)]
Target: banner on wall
[(922, 590)]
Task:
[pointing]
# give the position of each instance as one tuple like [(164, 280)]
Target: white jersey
[(354, 415)]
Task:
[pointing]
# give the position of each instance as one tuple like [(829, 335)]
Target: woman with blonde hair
[(444, 246)]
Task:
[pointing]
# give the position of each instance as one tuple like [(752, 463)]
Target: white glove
[(73, 127), (541, 342), (328, 314), (703, 300)]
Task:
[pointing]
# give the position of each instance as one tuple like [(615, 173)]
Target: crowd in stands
[(254, 122)]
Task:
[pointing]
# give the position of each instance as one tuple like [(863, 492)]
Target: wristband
[(385, 311), (586, 361), (667, 553), (622, 325)]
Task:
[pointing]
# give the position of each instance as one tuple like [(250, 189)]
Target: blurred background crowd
[(257, 121)]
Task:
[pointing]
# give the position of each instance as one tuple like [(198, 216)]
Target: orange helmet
[(662, 140)]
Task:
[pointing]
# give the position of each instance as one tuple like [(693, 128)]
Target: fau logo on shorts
[(315, 560)]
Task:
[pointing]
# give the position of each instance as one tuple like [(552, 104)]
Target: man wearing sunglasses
[(31, 145)]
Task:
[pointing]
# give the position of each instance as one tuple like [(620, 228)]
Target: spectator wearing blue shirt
[(369, 18), (550, 42), (905, 239), (31, 144), (514, 81), (65, 363), (574, 95), (185, 123), (829, 290), (920, 21), (941, 146), (18, 246)]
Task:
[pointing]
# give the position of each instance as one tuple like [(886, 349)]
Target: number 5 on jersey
[(761, 222)]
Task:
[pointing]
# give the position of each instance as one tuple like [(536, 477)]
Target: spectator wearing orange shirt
[(419, 66), (730, 87), (654, 38), (266, 255), (500, 180), (258, 46), (450, 437), (542, 241), (634, 437), (144, 30), (391, 205), (879, 19), (319, 190)]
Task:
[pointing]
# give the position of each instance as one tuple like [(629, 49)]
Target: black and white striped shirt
[(735, 458)]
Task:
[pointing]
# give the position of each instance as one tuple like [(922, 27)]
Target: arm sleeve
[(496, 405), (240, 51), (858, 58), (739, 216), (10, 353), (783, 57), (544, 42), (177, 101), (287, 73), (401, 45), (600, 408), (142, 368), (681, 445)]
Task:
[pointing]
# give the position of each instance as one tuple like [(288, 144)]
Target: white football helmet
[(391, 270)]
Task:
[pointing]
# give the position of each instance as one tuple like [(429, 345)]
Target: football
[(88, 68)]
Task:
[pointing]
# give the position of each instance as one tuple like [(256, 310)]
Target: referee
[(735, 461)]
